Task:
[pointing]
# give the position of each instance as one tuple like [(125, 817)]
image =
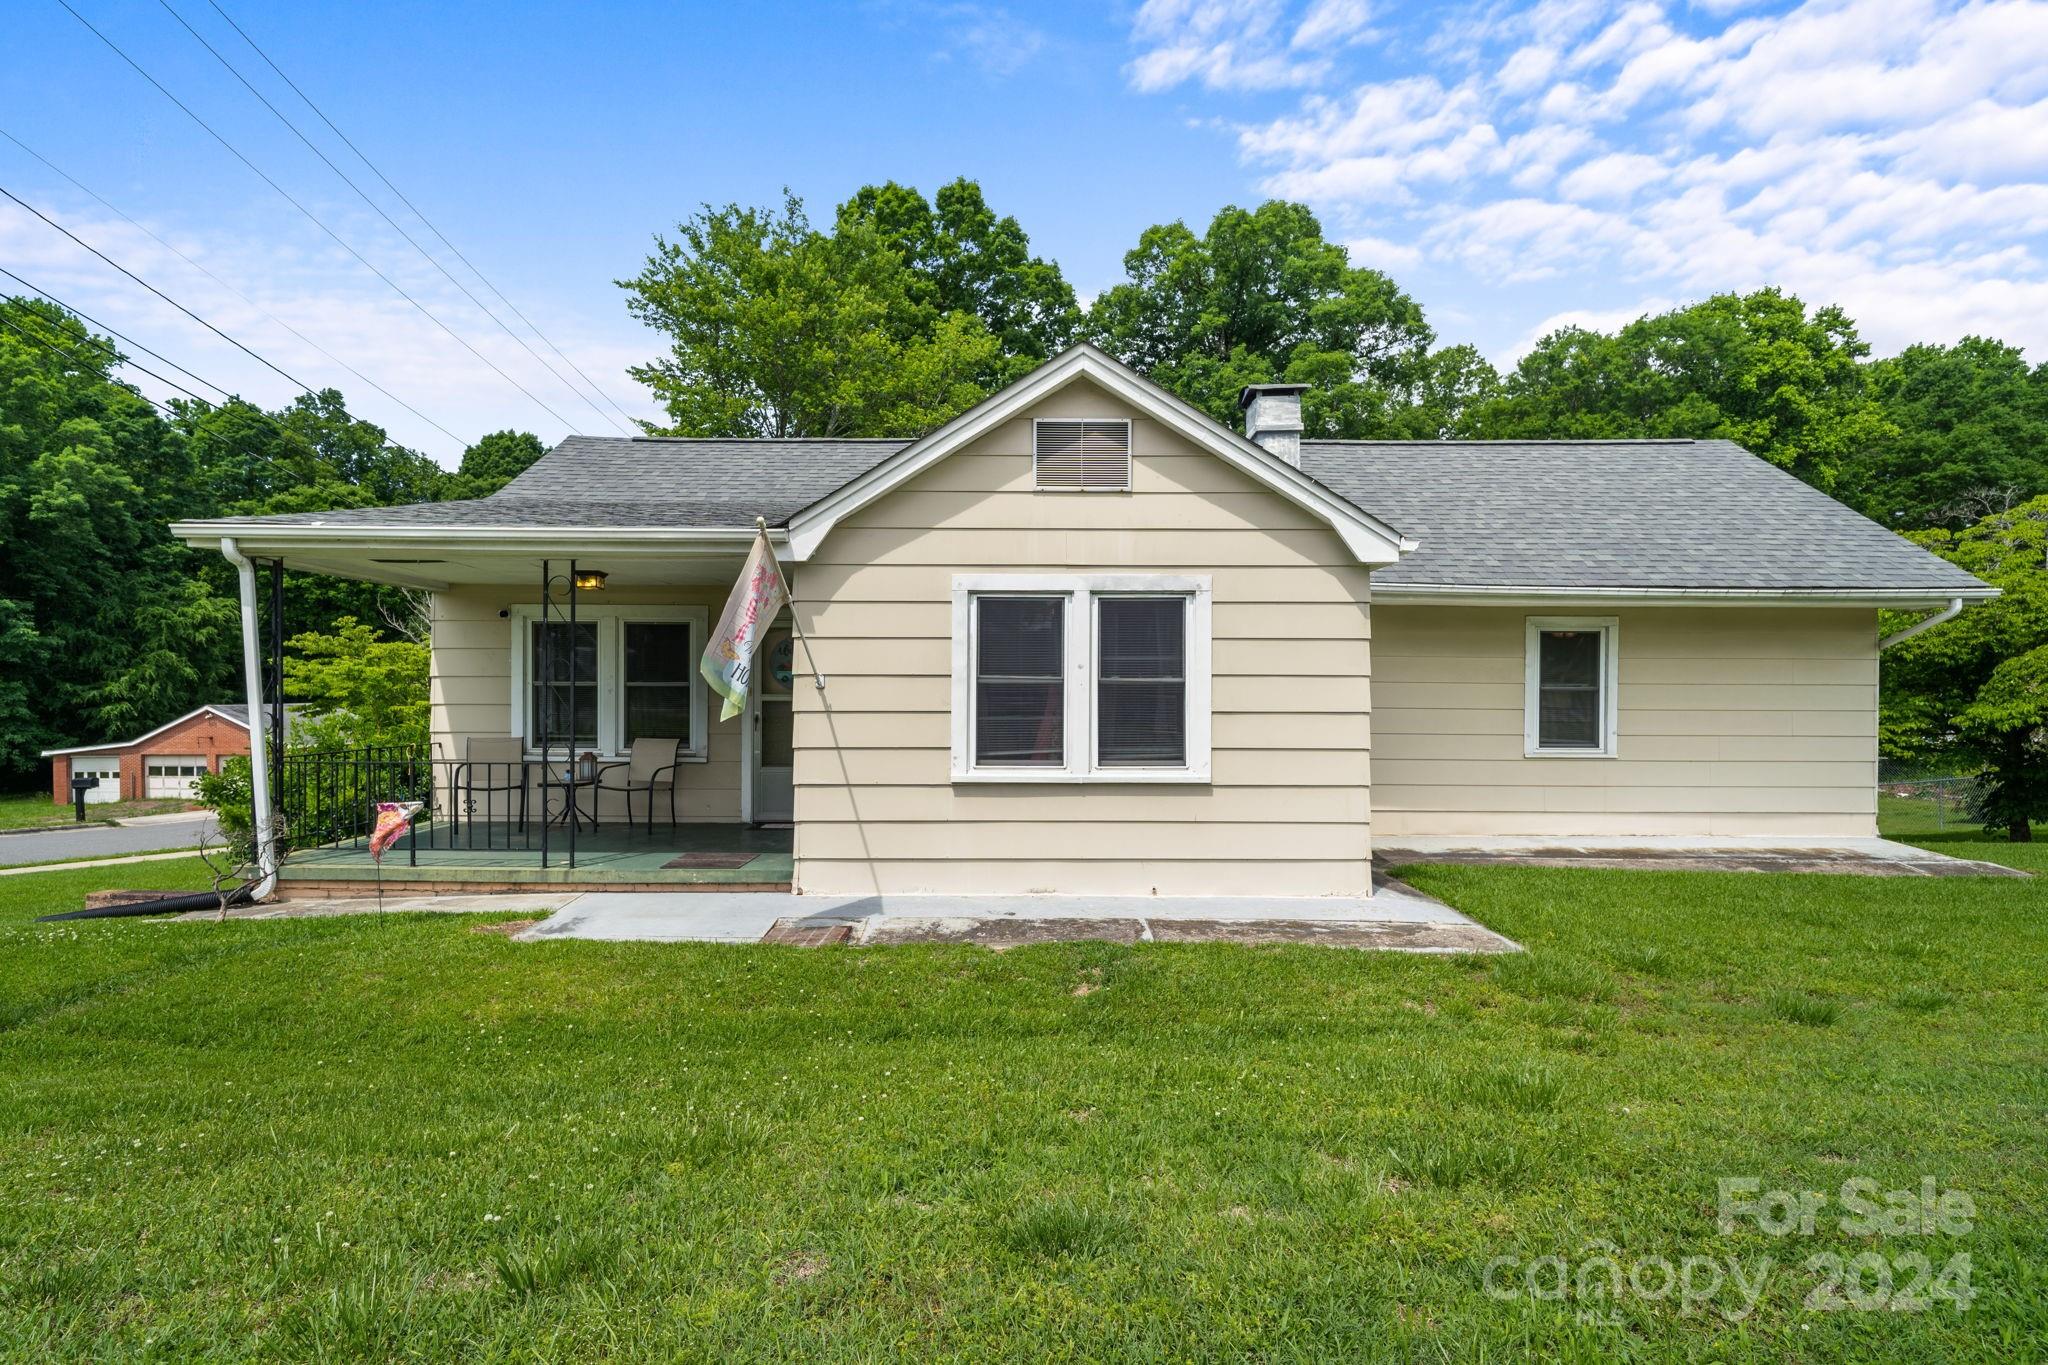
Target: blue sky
[(1513, 166)]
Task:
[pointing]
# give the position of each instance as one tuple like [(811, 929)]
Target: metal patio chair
[(650, 769), (490, 764)]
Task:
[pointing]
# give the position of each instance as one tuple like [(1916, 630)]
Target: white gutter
[(252, 680), (1947, 613), (1510, 595)]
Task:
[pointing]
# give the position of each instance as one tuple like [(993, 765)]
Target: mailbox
[(81, 783)]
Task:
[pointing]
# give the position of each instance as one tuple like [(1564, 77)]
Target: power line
[(378, 209), (415, 209), (295, 381), (37, 289), (49, 345), (236, 152), (280, 428), (173, 249)]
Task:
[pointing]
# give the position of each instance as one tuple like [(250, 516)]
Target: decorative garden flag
[(393, 819), (756, 600)]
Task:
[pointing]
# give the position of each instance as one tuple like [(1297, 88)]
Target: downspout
[(252, 681), (1947, 613)]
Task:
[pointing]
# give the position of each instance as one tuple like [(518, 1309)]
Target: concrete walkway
[(1869, 857), (1396, 917)]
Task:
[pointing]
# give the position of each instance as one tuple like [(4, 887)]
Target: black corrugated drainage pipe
[(168, 905)]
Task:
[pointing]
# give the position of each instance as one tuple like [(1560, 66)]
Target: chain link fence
[(1910, 798)]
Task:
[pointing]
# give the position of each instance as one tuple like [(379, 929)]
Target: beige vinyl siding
[(1287, 811), (471, 687), (1733, 720)]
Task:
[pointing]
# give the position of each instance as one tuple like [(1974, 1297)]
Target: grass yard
[(414, 1139), (35, 810)]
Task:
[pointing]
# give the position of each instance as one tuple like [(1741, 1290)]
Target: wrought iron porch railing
[(328, 798)]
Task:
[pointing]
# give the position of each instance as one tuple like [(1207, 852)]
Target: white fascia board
[(144, 739), (655, 539), (1370, 540), (1509, 595)]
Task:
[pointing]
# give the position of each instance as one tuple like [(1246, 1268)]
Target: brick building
[(161, 764)]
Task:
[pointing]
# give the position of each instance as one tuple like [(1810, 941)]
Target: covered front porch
[(572, 738), (692, 856)]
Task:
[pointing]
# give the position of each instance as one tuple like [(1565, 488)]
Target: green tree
[(1961, 693), (493, 461), (1970, 436), (1755, 369), (357, 689), (1262, 297), (965, 259), (777, 329)]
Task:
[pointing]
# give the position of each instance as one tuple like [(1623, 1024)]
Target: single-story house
[(1083, 638), (165, 763)]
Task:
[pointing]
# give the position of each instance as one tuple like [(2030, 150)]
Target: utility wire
[(49, 345), (415, 209), (275, 425), (37, 289), (170, 247), (394, 224), (312, 217), (295, 380)]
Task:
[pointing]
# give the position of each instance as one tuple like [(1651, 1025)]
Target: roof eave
[(1512, 594)]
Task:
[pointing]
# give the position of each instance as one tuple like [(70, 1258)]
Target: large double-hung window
[(1081, 678), (619, 674)]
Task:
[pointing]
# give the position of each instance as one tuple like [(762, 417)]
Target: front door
[(771, 746)]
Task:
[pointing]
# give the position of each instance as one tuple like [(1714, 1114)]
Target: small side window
[(1570, 700)]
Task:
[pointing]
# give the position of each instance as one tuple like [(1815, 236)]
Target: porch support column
[(252, 681)]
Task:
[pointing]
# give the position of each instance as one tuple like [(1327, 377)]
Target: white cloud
[(1224, 45), (1380, 253), (292, 273), (1889, 155)]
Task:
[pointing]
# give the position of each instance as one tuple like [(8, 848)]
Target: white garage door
[(171, 776), (107, 770)]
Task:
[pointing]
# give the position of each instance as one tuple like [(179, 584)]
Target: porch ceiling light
[(590, 580)]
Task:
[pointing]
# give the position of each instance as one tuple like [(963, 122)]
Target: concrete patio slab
[(1396, 917), (1865, 857)]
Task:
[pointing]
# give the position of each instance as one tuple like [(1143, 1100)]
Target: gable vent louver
[(1087, 455)]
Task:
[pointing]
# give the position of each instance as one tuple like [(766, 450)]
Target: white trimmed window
[(1572, 677), (636, 677), (1090, 455), (1073, 678)]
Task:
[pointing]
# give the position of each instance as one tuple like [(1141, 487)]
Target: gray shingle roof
[(1525, 514), (1616, 514)]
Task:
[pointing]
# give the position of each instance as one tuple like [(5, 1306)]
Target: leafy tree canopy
[(962, 258), (1960, 693), (1262, 297), (357, 689), (1756, 369), (1969, 436), (777, 329)]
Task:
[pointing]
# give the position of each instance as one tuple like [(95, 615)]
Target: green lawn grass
[(410, 1139), (35, 810)]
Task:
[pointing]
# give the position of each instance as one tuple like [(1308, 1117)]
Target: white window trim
[(611, 670), (1080, 590), (1610, 684), (1130, 456)]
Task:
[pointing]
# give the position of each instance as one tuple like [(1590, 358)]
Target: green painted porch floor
[(609, 855)]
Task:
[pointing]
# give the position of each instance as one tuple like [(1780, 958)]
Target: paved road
[(101, 841)]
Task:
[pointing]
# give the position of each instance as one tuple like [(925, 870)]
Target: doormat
[(710, 860)]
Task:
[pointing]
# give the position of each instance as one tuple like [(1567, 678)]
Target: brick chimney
[(1272, 417)]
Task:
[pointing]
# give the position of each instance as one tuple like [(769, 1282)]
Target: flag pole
[(817, 678)]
